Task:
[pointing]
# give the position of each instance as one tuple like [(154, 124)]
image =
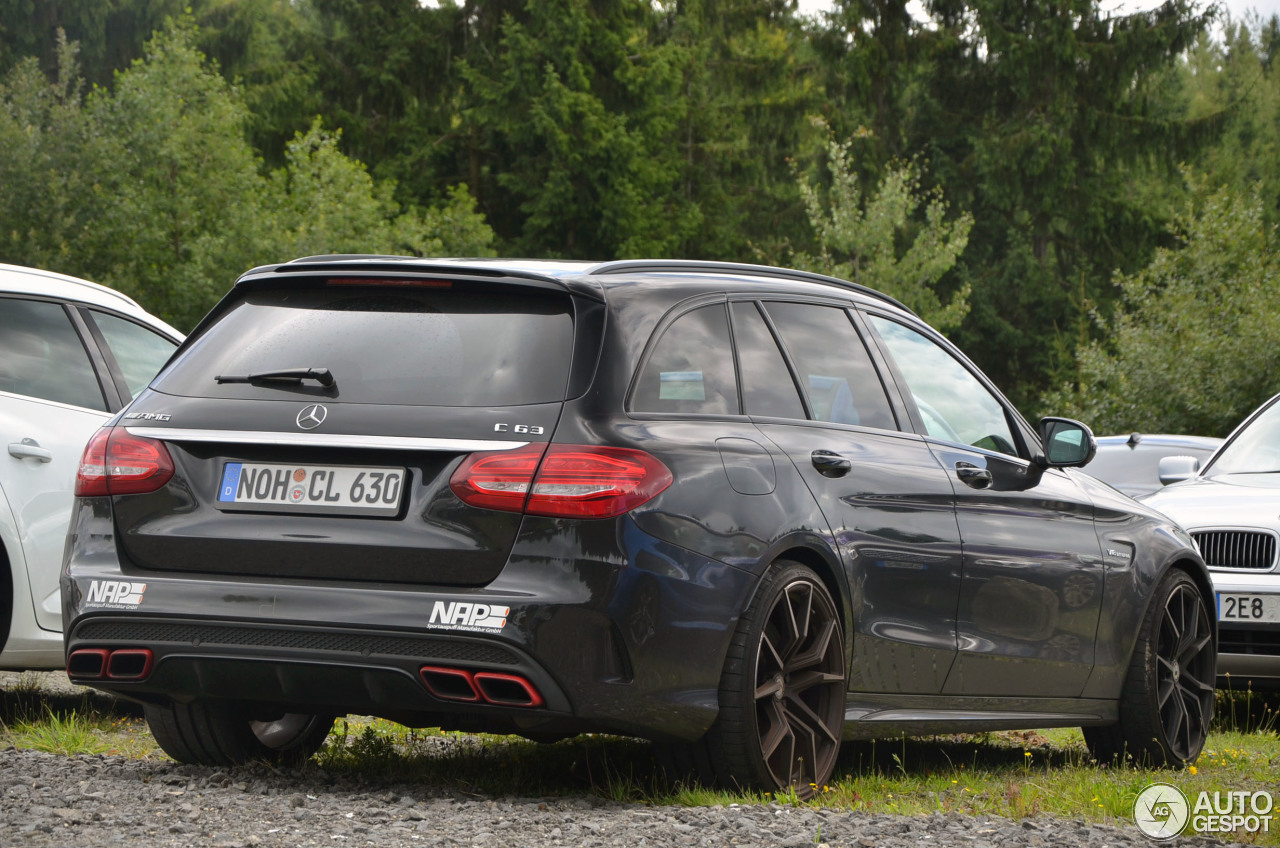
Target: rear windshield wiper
[(282, 375)]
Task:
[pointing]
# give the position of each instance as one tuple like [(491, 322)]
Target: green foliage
[(1192, 348), (175, 183), (111, 33), (1039, 117), (1234, 77), (324, 202), (749, 83), (859, 238), (610, 128), (42, 130), (152, 187), (573, 110), (264, 47), (386, 72)]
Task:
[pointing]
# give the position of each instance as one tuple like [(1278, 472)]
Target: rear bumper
[(633, 644), (323, 670)]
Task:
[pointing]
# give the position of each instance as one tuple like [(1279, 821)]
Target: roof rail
[(627, 266)]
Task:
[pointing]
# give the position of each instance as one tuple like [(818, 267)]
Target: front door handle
[(973, 476), (830, 464), (30, 449)]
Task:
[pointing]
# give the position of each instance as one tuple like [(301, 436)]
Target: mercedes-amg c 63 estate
[(744, 512)]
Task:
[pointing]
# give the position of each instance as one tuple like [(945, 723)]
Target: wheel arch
[(826, 564), (1199, 575), (1113, 658)]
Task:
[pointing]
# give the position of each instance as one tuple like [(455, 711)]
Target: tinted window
[(426, 348), (691, 368), (41, 355), (954, 404), (767, 387), (139, 352), (835, 369)]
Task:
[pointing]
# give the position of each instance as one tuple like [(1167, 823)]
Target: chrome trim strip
[(320, 440)]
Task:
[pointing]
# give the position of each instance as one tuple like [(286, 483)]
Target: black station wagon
[(744, 512)]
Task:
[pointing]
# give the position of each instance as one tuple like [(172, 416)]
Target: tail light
[(569, 481), (497, 479), (116, 462)]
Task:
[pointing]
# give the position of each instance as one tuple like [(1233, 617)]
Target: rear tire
[(782, 693), (214, 733), (1167, 700)]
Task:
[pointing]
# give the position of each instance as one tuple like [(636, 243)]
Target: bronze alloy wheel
[(1167, 699), (799, 691), (1185, 671)]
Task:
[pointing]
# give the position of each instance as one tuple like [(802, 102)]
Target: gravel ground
[(50, 800), (108, 800)]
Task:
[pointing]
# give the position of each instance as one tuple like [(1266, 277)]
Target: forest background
[(1085, 201)]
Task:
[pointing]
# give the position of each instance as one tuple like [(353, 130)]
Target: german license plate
[(1250, 608), (341, 489)]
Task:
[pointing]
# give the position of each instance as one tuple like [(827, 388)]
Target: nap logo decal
[(459, 615), (115, 594)]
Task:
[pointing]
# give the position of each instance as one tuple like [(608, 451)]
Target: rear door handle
[(830, 464), (973, 476), (30, 449)]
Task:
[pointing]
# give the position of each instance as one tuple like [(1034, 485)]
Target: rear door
[(888, 504), (1032, 588), (346, 476)]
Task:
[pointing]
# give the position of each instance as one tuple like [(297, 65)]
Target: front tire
[(217, 734), (782, 692), (1167, 701)]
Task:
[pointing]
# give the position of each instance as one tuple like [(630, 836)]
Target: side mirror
[(1175, 469), (1067, 443)]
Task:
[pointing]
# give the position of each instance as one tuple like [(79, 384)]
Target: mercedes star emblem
[(312, 416)]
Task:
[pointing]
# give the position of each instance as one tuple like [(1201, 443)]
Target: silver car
[(1231, 507), (1131, 463)]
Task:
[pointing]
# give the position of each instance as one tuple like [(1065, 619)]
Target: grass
[(83, 722), (1009, 774)]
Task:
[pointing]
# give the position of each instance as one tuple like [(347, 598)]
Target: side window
[(139, 352), (41, 355), (691, 368), (767, 387), (953, 403), (835, 369)]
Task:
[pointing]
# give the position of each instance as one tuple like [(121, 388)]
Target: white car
[(72, 355), (1231, 508)]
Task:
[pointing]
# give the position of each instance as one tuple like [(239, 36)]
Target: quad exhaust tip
[(103, 664), (488, 687)]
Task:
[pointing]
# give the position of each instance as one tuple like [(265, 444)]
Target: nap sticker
[(115, 594), (460, 615)]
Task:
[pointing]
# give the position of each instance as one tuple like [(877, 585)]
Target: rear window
[(480, 347)]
